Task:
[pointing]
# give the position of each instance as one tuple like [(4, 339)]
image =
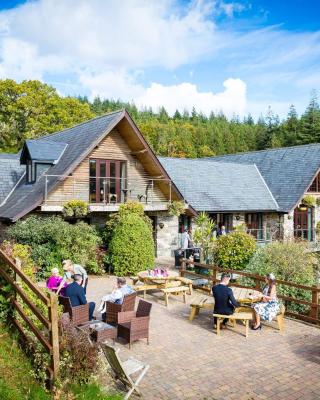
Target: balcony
[(107, 193)]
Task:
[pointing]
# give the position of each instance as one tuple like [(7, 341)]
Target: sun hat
[(271, 276)]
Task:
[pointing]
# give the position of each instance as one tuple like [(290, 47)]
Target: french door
[(303, 223), (107, 181)]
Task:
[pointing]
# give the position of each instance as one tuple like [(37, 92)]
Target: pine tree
[(310, 122)]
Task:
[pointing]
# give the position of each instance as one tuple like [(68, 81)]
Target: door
[(254, 224), (303, 223), (108, 181)]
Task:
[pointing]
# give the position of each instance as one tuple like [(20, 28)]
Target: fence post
[(315, 299), (54, 334), (214, 275)]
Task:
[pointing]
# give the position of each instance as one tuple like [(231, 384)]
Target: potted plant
[(307, 201), (176, 208)]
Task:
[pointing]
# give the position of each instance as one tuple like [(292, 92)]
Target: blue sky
[(238, 57)]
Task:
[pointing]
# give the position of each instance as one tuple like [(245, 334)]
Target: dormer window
[(31, 171)]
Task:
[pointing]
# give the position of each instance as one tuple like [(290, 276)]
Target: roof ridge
[(81, 123), (264, 150)]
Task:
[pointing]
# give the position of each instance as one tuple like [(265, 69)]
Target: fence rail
[(313, 316), (50, 339)]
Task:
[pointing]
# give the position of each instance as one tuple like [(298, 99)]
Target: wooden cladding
[(138, 182)]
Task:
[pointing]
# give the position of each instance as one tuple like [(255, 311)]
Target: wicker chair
[(78, 315), (112, 309), (134, 325)]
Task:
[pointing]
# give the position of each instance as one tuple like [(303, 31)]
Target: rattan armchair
[(112, 309), (78, 315), (134, 325)]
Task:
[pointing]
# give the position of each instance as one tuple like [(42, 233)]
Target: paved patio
[(188, 361)]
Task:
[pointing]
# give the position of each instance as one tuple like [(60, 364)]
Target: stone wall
[(3, 228), (167, 236), (288, 226)]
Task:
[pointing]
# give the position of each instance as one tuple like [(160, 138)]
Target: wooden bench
[(245, 317), (175, 291), (196, 305), (144, 288), (279, 317)]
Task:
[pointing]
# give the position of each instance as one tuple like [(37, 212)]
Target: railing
[(313, 316), (48, 337), (107, 190)]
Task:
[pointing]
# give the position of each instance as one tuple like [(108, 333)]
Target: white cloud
[(232, 100), (104, 47)]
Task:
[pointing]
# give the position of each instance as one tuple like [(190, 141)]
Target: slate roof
[(80, 139), (287, 171), (217, 186), (43, 150), (10, 172)]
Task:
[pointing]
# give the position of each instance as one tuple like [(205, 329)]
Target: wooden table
[(166, 284), (243, 296)]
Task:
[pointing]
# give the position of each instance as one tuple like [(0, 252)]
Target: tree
[(290, 128), (310, 122), (31, 109)]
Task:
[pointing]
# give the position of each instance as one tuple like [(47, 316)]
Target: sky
[(215, 55)]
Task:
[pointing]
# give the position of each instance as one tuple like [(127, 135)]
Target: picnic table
[(173, 284), (244, 296)]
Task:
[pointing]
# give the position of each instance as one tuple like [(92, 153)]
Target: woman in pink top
[(54, 281)]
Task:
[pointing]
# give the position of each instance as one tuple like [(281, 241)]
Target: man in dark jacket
[(224, 301), (77, 294)]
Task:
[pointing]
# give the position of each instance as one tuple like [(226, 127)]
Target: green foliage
[(31, 109), (52, 240), (203, 237), (176, 208), (234, 251), (131, 246), (308, 201), (92, 391), (288, 261), (75, 208)]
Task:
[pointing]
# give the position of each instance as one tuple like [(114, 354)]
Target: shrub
[(288, 261), (52, 239), (131, 247), (176, 208), (234, 250), (75, 208)]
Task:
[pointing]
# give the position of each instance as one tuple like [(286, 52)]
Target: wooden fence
[(313, 316), (49, 338)]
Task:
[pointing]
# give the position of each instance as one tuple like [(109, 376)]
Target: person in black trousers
[(77, 295), (224, 301)]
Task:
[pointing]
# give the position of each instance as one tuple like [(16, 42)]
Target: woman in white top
[(269, 307)]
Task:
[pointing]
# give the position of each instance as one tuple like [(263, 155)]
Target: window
[(107, 181), (31, 171), (315, 185)]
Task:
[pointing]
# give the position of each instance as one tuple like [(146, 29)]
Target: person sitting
[(117, 295), (77, 295), (54, 281), (269, 307), (71, 269), (224, 301)]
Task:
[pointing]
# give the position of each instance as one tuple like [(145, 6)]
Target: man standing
[(224, 301), (70, 270), (77, 295)]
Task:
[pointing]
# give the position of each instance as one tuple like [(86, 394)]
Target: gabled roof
[(80, 140), (220, 187), (288, 171), (10, 171), (42, 150)]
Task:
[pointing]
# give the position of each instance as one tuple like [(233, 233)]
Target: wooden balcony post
[(214, 275), (183, 267), (314, 311), (54, 334)]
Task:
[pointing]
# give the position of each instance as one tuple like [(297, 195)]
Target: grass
[(18, 383)]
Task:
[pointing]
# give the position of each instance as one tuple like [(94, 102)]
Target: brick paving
[(188, 361)]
